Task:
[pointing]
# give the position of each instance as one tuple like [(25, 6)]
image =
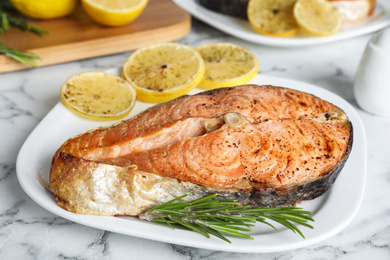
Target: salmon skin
[(263, 146)]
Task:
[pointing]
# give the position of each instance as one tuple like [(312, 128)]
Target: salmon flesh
[(263, 146)]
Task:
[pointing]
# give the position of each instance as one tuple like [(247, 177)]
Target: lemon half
[(273, 17), (45, 9), (226, 64), (114, 12), (98, 95), (318, 17), (162, 72)]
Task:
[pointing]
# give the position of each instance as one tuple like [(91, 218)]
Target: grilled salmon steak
[(263, 146)]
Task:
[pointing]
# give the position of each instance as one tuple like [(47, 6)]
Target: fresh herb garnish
[(25, 57), (7, 20), (220, 217)]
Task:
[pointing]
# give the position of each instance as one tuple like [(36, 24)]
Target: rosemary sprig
[(7, 20), (25, 57), (220, 217)]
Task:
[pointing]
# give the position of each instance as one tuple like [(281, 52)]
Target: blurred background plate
[(241, 28)]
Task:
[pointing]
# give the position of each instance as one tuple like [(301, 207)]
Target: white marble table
[(27, 231)]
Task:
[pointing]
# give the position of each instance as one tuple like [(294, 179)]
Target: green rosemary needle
[(220, 217), (7, 20), (25, 57)]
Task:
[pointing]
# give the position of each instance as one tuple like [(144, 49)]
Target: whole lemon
[(45, 9)]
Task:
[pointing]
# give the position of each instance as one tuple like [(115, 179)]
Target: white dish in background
[(241, 28), (332, 212)]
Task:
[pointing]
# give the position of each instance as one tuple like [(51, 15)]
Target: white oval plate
[(241, 28), (332, 211)]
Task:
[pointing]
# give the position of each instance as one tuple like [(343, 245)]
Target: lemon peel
[(45, 9)]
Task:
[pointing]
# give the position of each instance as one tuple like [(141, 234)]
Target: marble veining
[(27, 231)]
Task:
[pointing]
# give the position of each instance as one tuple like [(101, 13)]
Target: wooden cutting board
[(77, 37)]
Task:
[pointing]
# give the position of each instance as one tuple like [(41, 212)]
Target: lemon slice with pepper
[(273, 17), (98, 95), (226, 64), (162, 72)]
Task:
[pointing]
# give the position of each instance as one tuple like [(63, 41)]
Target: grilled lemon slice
[(98, 95), (114, 13), (273, 17), (318, 17), (226, 65), (162, 72)]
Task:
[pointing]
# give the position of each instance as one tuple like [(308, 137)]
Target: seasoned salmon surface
[(260, 145)]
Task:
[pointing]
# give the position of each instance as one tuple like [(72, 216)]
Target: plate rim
[(31, 186)]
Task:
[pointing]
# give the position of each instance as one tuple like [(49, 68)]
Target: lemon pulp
[(318, 17)]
